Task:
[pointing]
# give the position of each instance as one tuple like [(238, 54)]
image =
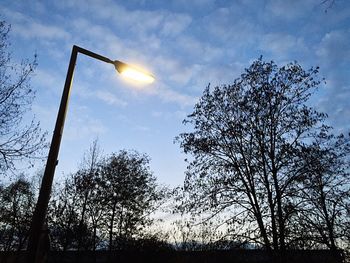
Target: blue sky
[(186, 45)]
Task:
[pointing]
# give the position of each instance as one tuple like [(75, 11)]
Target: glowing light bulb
[(133, 72)]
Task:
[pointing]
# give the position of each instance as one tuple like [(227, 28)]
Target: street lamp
[(40, 211)]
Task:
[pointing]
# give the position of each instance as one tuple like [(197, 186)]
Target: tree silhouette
[(247, 144), (130, 194), (16, 208), (325, 191), (19, 139), (107, 203)]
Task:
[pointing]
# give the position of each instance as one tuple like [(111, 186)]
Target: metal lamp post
[(40, 211)]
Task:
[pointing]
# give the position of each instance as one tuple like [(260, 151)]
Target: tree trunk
[(280, 218), (281, 226), (111, 227), (269, 192), (81, 222), (329, 225), (258, 215)]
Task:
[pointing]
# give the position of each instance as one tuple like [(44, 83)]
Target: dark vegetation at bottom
[(232, 256)]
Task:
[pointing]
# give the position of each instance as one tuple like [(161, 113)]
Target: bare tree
[(328, 4), (75, 206), (85, 180), (245, 145), (20, 137), (325, 191)]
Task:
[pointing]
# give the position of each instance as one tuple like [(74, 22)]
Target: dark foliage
[(16, 208), (107, 204)]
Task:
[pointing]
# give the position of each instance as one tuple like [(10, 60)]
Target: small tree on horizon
[(130, 195), (16, 208), (107, 203)]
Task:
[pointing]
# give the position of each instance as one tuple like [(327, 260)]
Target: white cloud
[(170, 95), (110, 98), (137, 21), (167, 94), (217, 76), (230, 28), (290, 9), (174, 24), (27, 27), (282, 45), (86, 91), (46, 115), (34, 29), (335, 46), (185, 74), (179, 114), (333, 53), (197, 49), (174, 70), (194, 4), (335, 103), (141, 128), (81, 125), (47, 81), (90, 29)]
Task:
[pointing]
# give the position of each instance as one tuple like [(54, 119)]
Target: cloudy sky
[(186, 45)]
